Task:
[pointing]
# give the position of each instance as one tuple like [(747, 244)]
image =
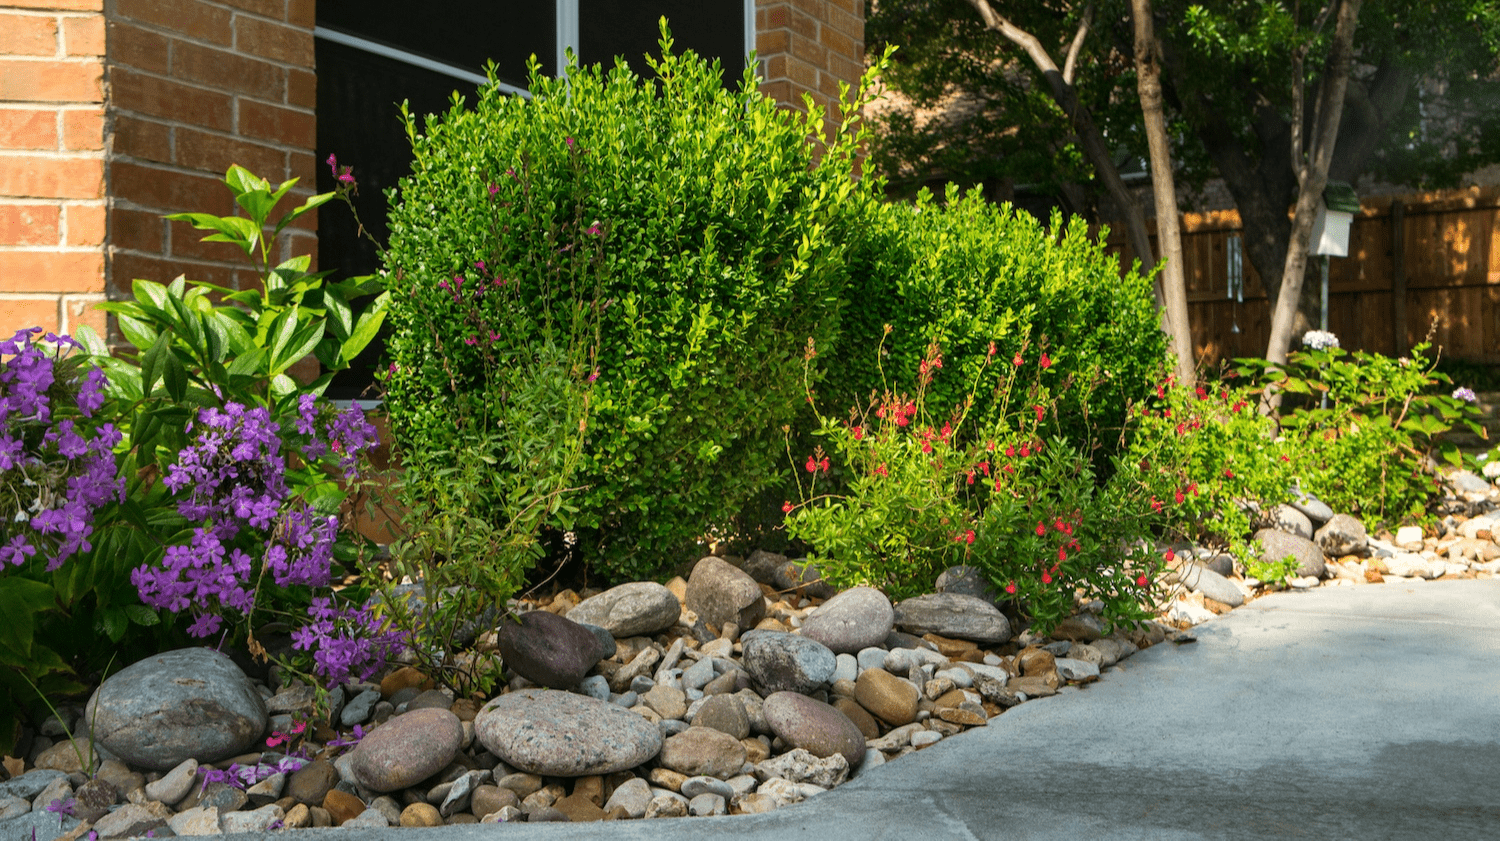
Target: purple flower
[(1465, 394), (350, 642), (16, 551)]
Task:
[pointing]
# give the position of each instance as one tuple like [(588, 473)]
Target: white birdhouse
[(1330, 233)]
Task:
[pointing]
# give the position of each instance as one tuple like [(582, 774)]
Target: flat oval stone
[(407, 749), (559, 734), (640, 608), (190, 703), (814, 726), (953, 615), (852, 620), (547, 649), (701, 751)]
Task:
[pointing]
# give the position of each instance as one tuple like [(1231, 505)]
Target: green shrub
[(714, 257), (964, 273)]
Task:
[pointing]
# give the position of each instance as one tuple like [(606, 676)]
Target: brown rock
[(725, 713), (1216, 606), (320, 816), (297, 817), (719, 593), (521, 783), (461, 818), (1035, 662), (421, 814), (403, 678), (341, 806), (579, 808), (312, 781), (951, 698), (755, 750), (857, 714), (591, 787), (703, 751), (1374, 577), (969, 714), (489, 799), (667, 778), (887, 697), (1034, 687), (951, 648), (407, 749), (465, 709)]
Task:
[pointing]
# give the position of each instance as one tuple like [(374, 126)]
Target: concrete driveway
[(1356, 712)]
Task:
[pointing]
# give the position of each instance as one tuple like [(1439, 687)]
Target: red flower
[(1238, 406), (990, 446), (881, 471), (1040, 412), (823, 465), (1181, 428), (1202, 395), (1156, 505), (786, 507), (1060, 525), (926, 446), (1284, 458), (811, 465), (859, 433), (1178, 497), (1228, 474), (1025, 451), (1169, 556), (1041, 529), (1046, 361), (971, 477), (1141, 582), (902, 420), (1017, 360), (1009, 468), (1161, 393), (1062, 553), (1011, 588), (1046, 578), (1193, 489), (966, 537), (984, 467), (992, 350), (1010, 450)]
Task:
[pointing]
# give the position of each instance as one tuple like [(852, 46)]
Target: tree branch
[(1070, 64)]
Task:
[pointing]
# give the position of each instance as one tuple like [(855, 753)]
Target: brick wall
[(52, 215), (808, 47), (195, 86)]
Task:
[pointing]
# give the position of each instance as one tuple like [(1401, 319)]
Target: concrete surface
[(1366, 712)]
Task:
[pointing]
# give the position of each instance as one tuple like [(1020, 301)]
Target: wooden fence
[(1416, 263)]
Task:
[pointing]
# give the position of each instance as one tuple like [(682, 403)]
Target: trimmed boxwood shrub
[(712, 255), (964, 272)]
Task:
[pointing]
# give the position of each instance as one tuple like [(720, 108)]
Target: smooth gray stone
[(780, 661), (953, 615), (1315, 509), (358, 709), (1276, 545), (46, 826), (30, 784), (553, 733), (1211, 584), (639, 608)]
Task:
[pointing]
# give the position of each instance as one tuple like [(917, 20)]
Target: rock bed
[(645, 700)]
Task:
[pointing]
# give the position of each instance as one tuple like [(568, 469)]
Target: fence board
[(1449, 279)]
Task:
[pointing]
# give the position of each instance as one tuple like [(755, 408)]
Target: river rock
[(719, 593), (725, 713), (1342, 535), (192, 702), (814, 726), (967, 581), (1276, 545), (701, 751), (1292, 521), (887, 697), (310, 783), (132, 820), (631, 796), (1316, 510), (407, 749), (1211, 584), (802, 766), (804, 577), (852, 620), (559, 734), (547, 649), (779, 661), (640, 608), (953, 615)]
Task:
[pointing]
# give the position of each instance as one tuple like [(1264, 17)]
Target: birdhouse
[(1330, 233)]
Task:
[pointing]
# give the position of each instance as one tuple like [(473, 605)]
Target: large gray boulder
[(855, 619), (190, 703), (719, 592), (637, 609), (1276, 545), (953, 615), (559, 734)]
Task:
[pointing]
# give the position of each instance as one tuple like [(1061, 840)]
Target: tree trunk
[(1066, 97), (1164, 190), (1312, 177)]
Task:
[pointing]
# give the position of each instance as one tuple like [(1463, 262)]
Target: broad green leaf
[(283, 327), (148, 292), (216, 329), (312, 203), (112, 622), (340, 319), (21, 599), (300, 345), (175, 377), (248, 364), (365, 330), (138, 333), (241, 180), (282, 385), (152, 363), (142, 615)]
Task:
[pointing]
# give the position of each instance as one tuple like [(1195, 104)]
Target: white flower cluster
[(1319, 339), (1465, 394)]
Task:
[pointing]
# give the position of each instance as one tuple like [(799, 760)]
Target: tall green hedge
[(714, 253), (964, 272)]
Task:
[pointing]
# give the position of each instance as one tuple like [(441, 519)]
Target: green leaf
[(366, 329), (300, 345), (152, 363), (312, 203), (138, 333), (21, 599), (151, 293), (282, 385), (112, 622), (175, 377), (248, 364), (280, 333), (1451, 453), (340, 320), (142, 615), (217, 327)]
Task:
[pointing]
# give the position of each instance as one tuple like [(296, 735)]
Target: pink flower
[(594, 230), (471, 340), (881, 471), (859, 433), (495, 188), (1011, 588), (1017, 361), (569, 141), (593, 375), (786, 507), (1046, 360)]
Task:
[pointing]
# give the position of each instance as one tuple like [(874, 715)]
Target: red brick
[(304, 167), (853, 7), (84, 36), (780, 90), (809, 50), (774, 67), (801, 73), (772, 42), (266, 8), (30, 224), (214, 153), (83, 129), (837, 41), (277, 124), (65, 5), (52, 271), (212, 68), (29, 176), (843, 68), (85, 224), (301, 88), (275, 41), (848, 24), (168, 192), (28, 34), (28, 128), (142, 49), (125, 267), (301, 13), (144, 139), (28, 312), (192, 18), (777, 17), (136, 230), (78, 311), (51, 81), (134, 91)]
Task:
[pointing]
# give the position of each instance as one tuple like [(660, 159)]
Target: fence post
[(1398, 275)]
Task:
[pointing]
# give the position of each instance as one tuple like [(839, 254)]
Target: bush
[(712, 255), (964, 273)]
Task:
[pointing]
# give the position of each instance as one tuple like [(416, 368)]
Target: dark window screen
[(466, 33), (711, 28), (359, 120)]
